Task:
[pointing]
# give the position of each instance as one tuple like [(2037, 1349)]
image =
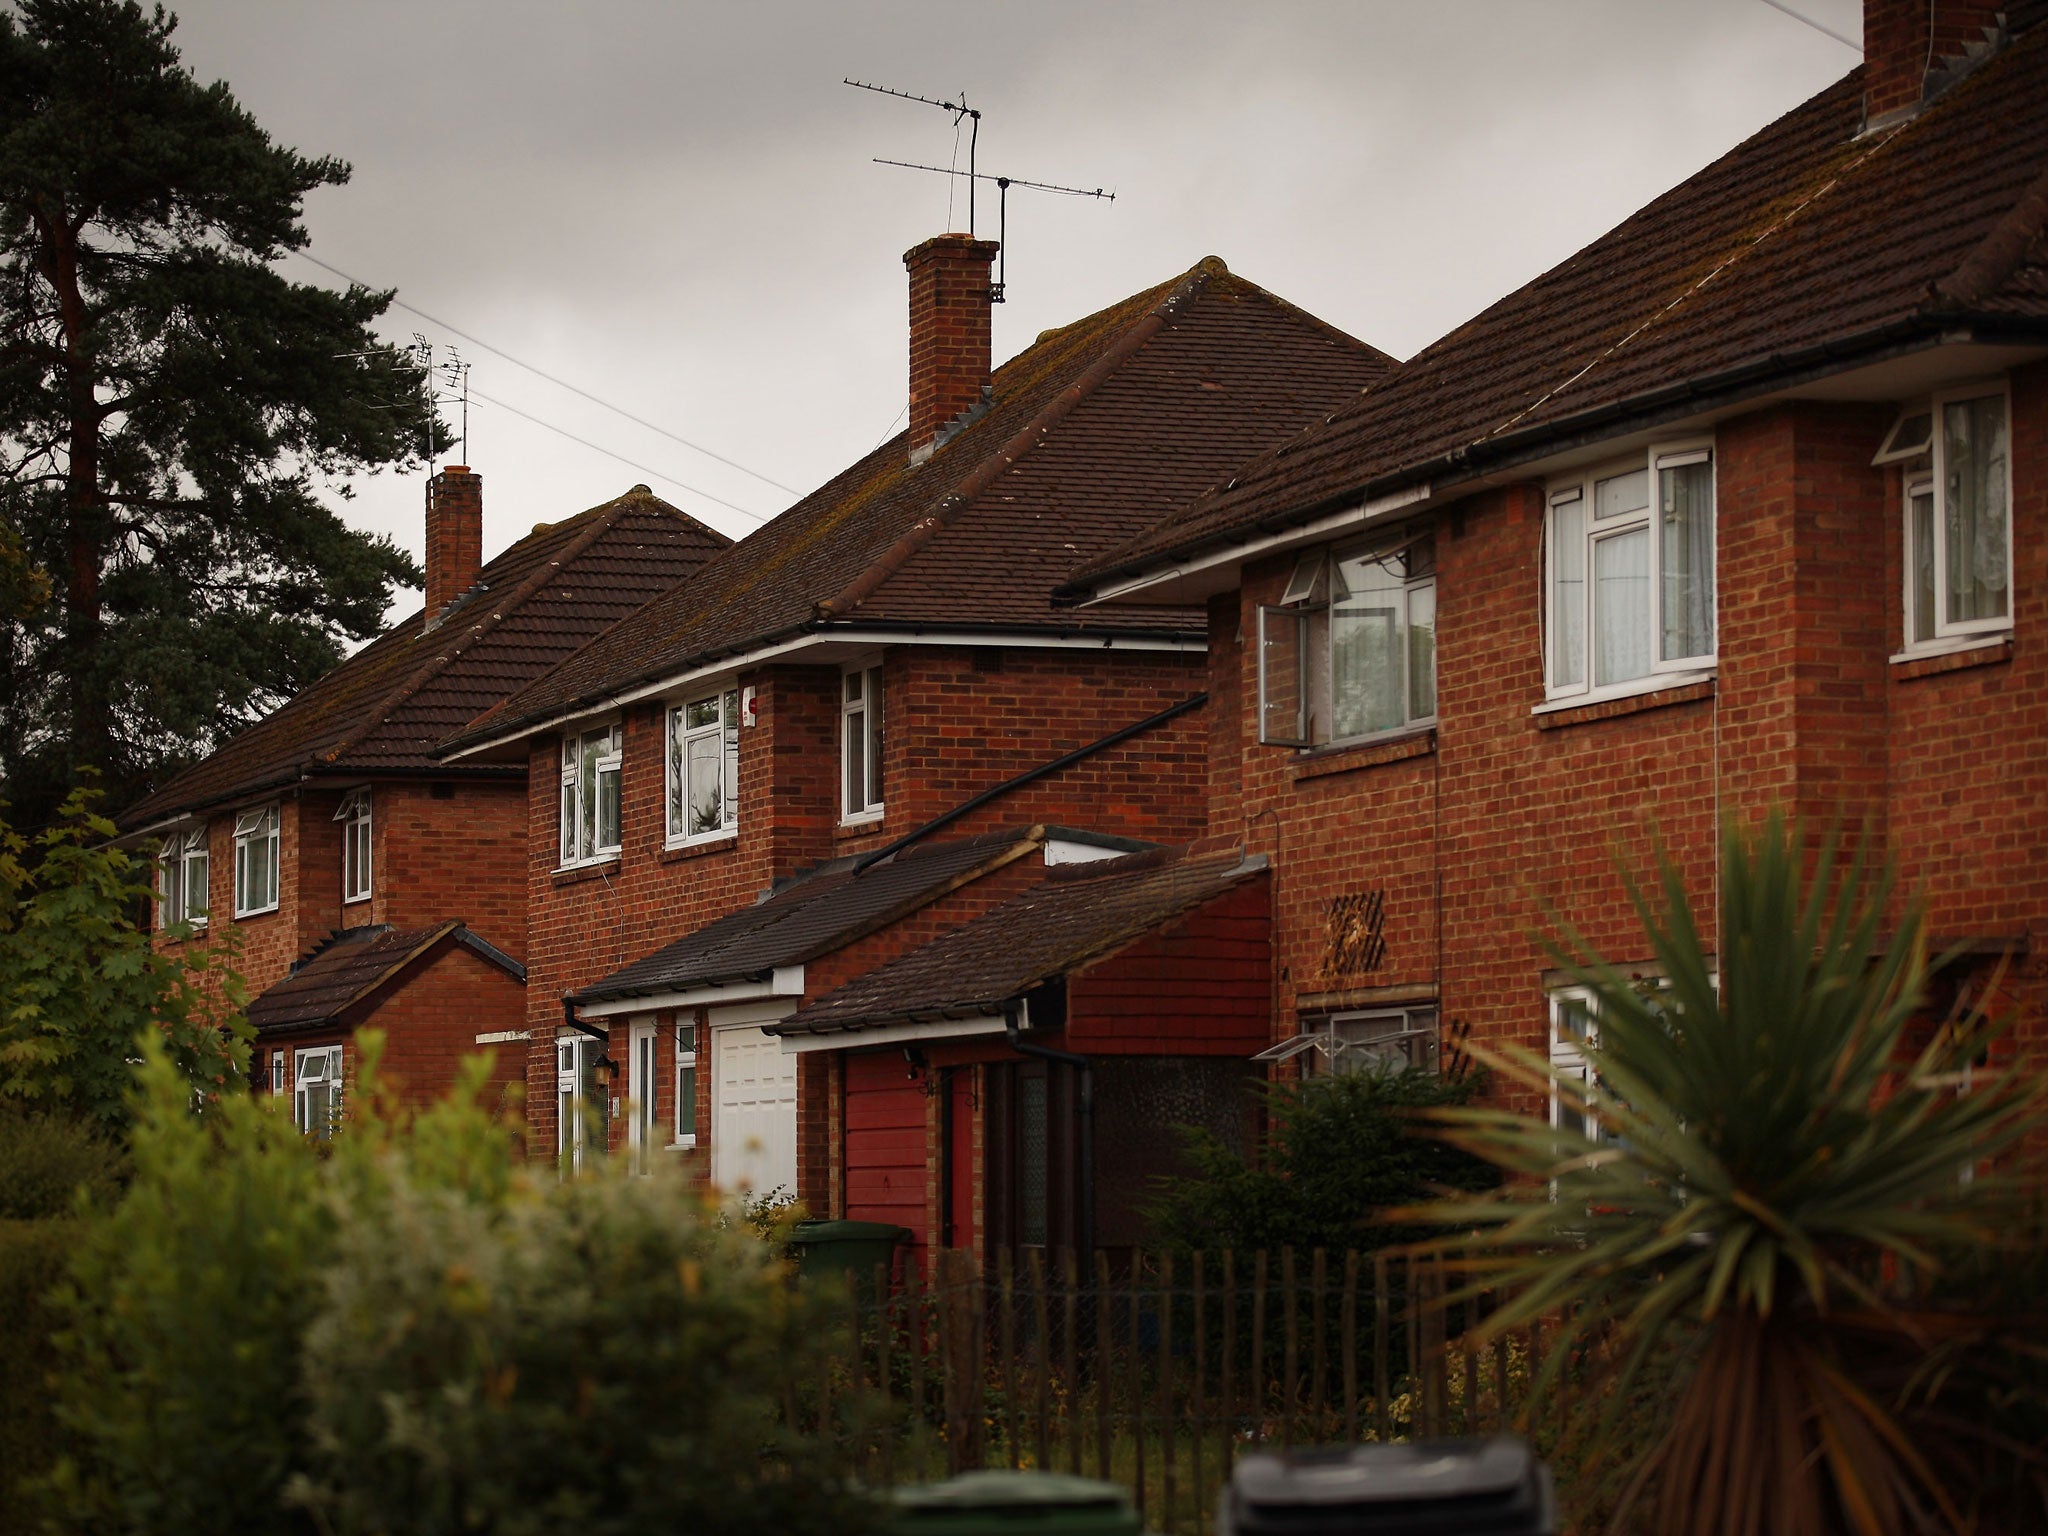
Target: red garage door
[(885, 1143)]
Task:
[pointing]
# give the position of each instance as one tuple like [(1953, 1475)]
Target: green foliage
[(48, 1163), (405, 1330), (171, 408), (32, 1259), (80, 984), (1781, 1181), (1337, 1152)]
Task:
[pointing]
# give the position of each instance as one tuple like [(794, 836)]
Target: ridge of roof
[(995, 465)]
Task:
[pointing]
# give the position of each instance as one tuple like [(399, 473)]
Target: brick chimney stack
[(455, 536), (949, 332), (1909, 47)]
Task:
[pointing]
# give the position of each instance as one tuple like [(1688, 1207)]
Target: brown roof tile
[(1080, 914), (352, 967), (1792, 249), (384, 708), (1092, 433)]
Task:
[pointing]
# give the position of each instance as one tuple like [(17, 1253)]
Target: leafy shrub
[(46, 1161), (1337, 1152), (32, 1257)]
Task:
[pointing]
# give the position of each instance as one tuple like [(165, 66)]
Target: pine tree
[(175, 414)]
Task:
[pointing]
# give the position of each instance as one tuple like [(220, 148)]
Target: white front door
[(753, 1102)]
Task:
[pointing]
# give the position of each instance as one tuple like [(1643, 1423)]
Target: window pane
[(707, 809), (1280, 704), (729, 781), (702, 713), (1621, 607), (198, 877), (1922, 557), (678, 777), (852, 683), (1422, 651), (1568, 594), (1031, 1160), (608, 807), (1686, 549), (1619, 495), (686, 1097), (854, 750), (1369, 690), (586, 795), (1973, 458), (874, 736)]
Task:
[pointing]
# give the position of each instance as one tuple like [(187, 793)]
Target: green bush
[(406, 1331), (32, 1256), (46, 1161), (1338, 1152)]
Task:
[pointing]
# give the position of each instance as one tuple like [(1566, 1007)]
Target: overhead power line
[(574, 389), (477, 394), (1821, 27)]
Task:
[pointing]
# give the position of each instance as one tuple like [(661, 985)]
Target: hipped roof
[(384, 709), (1079, 915), (1805, 248), (1091, 434)]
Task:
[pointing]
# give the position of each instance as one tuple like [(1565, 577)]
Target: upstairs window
[(590, 794), (1958, 499), (257, 837), (184, 870), (354, 817), (860, 743), (704, 768), (1372, 1040), (316, 1091), (1629, 573), (1349, 652)]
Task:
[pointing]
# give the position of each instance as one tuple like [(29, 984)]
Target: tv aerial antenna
[(446, 382), (974, 174)]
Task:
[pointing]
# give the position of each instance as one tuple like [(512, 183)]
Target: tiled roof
[(352, 966), (384, 708), (1789, 254), (1093, 433), (812, 915), (1081, 913)]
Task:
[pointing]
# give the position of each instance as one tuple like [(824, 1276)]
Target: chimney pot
[(455, 536), (950, 332)]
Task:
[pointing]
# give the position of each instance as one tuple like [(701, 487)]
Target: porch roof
[(354, 964)]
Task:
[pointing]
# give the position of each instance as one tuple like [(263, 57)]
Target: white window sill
[(683, 1144), (1955, 645), (703, 840), (1656, 682), (355, 901), (864, 819), (610, 856), (241, 912)]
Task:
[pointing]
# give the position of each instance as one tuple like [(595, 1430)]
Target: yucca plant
[(1747, 1257)]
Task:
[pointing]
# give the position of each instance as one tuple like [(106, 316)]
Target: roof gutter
[(1470, 461), (976, 802)]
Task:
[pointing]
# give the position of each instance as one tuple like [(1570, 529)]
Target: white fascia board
[(1373, 510), (892, 1034), (788, 981), (848, 637)]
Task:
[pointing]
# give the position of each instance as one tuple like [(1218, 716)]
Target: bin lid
[(848, 1232), (1491, 1485), (1033, 1494)]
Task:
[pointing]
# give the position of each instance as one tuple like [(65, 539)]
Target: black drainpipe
[(1086, 1115), (595, 1031), (947, 818)]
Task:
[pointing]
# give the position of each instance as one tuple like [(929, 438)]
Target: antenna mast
[(1003, 185), (960, 110)]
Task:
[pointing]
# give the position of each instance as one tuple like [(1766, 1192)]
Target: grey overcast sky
[(672, 205)]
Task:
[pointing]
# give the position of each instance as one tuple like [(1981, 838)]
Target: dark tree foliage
[(1338, 1153), (172, 410)]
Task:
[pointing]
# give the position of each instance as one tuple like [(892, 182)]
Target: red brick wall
[(462, 856), (431, 1023), (1486, 833)]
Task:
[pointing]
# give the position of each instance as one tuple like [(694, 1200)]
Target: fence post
[(1290, 1361), (960, 1297), (916, 1339), (1319, 1367), (1351, 1346), (1105, 1364), (1195, 1425), (885, 1340), (1166, 1414), (1229, 1366), (1071, 1353), (1006, 1328), (1382, 1374), (1042, 1354), (1255, 1374), (1138, 1376)]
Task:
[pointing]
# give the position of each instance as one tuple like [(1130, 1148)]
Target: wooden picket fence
[(1157, 1370)]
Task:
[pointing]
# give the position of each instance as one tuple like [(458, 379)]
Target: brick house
[(1745, 503), (331, 821), (878, 669)]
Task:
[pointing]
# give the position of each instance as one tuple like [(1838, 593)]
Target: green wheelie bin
[(838, 1248), (1002, 1503)]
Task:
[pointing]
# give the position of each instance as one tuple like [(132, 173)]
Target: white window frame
[(1346, 1041), (259, 832), (862, 728), (576, 1086), (1926, 473), (277, 1061), (182, 851), (725, 728), (577, 795), (357, 846), (1302, 622), (329, 1075), (643, 1072), (1568, 1053), (1579, 490), (686, 1086)]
